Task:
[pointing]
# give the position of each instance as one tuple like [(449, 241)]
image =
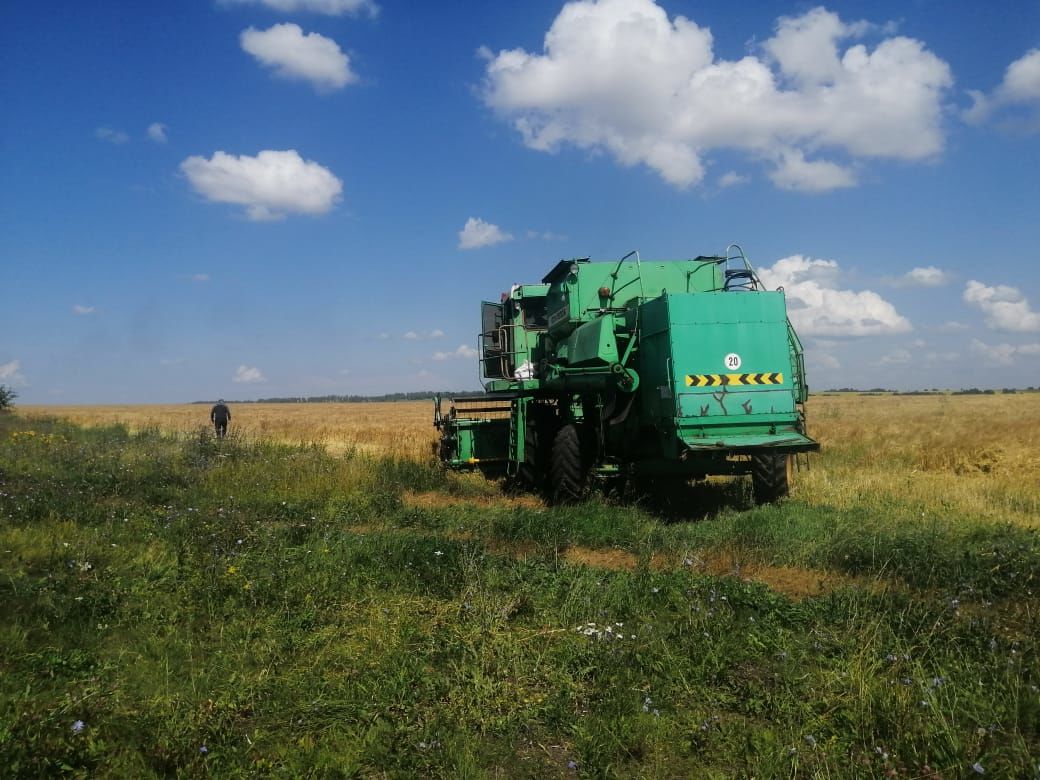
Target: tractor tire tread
[(567, 469), (530, 477), (769, 478)]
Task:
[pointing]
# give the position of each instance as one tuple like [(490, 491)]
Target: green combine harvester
[(633, 372)]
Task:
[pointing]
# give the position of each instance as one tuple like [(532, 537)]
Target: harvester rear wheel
[(771, 477), (568, 468)]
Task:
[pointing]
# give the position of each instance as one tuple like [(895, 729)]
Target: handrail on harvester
[(504, 354), (639, 274), (756, 283)]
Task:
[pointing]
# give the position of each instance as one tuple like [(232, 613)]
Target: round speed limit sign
[(732, 361)]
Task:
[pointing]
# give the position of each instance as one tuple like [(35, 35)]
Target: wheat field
[(402, 429), (974, 454)]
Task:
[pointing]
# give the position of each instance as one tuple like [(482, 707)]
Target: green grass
[(235, 609)]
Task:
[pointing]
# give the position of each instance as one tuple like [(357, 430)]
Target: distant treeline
[(933, 391), (419, 395), (424, 395)]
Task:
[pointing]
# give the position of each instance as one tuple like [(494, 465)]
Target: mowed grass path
[(243, 608)]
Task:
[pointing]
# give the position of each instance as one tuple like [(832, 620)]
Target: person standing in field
[(221, 416)]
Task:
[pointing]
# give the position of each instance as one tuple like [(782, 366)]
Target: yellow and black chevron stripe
[(716, 380)]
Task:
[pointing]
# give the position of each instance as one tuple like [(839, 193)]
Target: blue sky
[(256, 198)]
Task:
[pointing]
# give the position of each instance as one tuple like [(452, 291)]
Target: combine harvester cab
[(634, 371)]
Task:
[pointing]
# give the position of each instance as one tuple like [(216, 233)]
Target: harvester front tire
[(568, 472), (771, 477)]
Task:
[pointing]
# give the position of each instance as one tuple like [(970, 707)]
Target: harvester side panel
[(727, 378)]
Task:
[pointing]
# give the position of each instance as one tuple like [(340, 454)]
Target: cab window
[(535, 316)]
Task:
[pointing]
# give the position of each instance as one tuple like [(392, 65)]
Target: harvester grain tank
[(631, 371)]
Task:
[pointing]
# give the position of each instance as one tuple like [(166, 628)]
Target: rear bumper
[(751, 444)]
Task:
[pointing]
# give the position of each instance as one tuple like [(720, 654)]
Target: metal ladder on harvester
[(516, 436)]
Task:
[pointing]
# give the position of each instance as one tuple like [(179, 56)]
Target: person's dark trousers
[(221, 429)]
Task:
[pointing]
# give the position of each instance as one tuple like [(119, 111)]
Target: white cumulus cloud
[(292, 54), (794, 172), (112, 136), (328, 7), (157, 132), (928, 276), (1003, 354), (248, 375), (477, 233), (1004, 307), (463, 351), (1022, 79), (732, 179), (824, 360), (817, 307), (413, 335), (11, 372), (1020, 87), (81, 310), (269, 185), (624, 77)]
